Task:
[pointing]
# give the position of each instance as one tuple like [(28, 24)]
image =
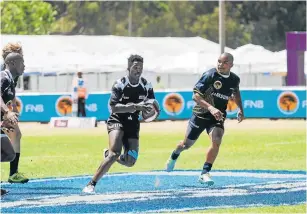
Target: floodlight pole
[(130, 19), (222, 25)]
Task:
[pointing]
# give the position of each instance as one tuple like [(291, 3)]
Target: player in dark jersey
[(15, 67), (211, 94), (15, 135), (126, 102)]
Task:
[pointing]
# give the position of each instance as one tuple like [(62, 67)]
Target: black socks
[(14, 164), (174, 156), (206, 168)]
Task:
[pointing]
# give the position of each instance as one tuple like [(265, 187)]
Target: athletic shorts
[(197, 125), (128, 123)]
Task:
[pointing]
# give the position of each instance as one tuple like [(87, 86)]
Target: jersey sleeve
[(116, 94), (237, 85), (4, 83), (203, 84), (150, 91), (16, 81)]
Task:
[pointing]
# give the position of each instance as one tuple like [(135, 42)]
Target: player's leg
[(15, 176), (83, 107), (131, 152), (194, 129), (115, 146), (7, 153), (216, 133), (130, 143), (79, 107)]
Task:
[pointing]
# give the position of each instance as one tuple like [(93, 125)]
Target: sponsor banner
[(72, 122), (174, 105)]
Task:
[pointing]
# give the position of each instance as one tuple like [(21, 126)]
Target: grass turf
[(69, 155)]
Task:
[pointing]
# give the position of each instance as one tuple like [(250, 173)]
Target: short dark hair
[(229, 56), (12, 56), (134, 58)]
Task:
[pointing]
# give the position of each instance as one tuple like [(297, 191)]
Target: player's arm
[(238, 101), (4, 87), (14, 104), (12, 117), (6, 124), (201, 86), (4, 108), (151, 99), (197, 97), (117, 107), (121, 108), (150, 91)]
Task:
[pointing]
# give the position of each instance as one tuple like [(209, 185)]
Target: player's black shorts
[(129, 123), (197, 125)]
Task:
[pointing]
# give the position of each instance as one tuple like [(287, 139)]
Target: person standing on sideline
[(79, 95), (159, 85)]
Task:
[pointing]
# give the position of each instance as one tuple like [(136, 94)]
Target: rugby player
[(14, 67), (126, 102), (211, 94), (15, 135)]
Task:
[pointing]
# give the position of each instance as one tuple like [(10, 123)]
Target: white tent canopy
[(51, 53), (62, 54), (260, 60)]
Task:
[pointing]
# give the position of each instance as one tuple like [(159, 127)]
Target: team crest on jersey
[(217, 84)]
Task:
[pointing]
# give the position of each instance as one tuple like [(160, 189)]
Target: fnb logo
[(91, 107), (304, 103), (254, 104), (39, 108)]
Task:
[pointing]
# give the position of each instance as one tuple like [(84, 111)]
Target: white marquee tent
[(62, 54), (179, 60), (262, 60)]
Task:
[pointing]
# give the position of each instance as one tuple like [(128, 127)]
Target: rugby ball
[(153, 113)]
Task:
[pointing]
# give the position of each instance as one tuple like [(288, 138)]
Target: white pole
[(222, 25), (130, 19)]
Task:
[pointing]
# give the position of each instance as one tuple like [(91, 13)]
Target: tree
[(271, 21), (207, 26), (35, 17), (262, 23)]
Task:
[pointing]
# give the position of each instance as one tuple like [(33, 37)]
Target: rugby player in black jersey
[(15, 176), (14, 67), (211, 94), (126, 102)]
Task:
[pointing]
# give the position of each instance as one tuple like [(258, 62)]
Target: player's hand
[(218, 115), (11, 117), (6, 126), (240, 116), (15, 110), (142, 107)]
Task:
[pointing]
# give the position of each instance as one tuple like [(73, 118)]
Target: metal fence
[(103, 81)]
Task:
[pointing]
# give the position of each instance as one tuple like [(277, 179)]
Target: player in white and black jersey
[(126, 102), (211, 94)]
